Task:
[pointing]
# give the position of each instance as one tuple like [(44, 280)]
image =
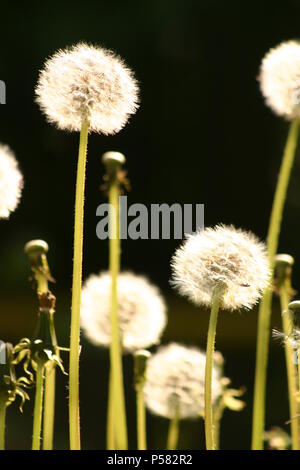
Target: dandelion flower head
[(225, 257), (141, 308), (11, 182), (280, 79), (175, 380), (87, 82)]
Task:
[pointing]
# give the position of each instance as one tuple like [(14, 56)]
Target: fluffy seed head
[(280, 79), (175, 379), (224, 257), (142, 311), (11, 182), (87, 82)]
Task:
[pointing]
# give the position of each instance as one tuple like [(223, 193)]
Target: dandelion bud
[(113, 159), (294, 306), (11, 182), (175, 382), (280, 79), (223, 257), (142, 311), (87, 82), (141, 358)]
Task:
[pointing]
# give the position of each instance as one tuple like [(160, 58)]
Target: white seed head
[(142, 311), (224, 257), (11, 182), (280, 79), (175, 380), (87, 82)]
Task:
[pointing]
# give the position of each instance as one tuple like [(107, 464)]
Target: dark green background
[(202, 135)]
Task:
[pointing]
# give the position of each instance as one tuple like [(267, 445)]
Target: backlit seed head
[(11, 182), (89, 82), (221, 257), (175, 379), (141, 308), (280, 79)]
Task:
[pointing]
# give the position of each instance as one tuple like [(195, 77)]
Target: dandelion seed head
[(87, 82), (280, 79), (11, 182), (175, 379), (141, 308), (221, 256)]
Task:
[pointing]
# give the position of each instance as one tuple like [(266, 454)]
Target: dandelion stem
[(218, 414), (141, 417), (49, 407), (120, 425), (208, 415), (38, 406), (110, 436), (2, 423), (285, 298), (50, 375), (264, 317), (74, 418), (173, 434)]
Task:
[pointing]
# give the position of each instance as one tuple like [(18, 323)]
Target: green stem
[(285, 299), (2, 423), (49, 407), (141, 417), (264, 317), (38, 407), (50, 378), (74, 419), (218, 414), (110, 436), (120, 425), (173, 433), (208, 415)]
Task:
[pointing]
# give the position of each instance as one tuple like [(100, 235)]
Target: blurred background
[(202, 135)]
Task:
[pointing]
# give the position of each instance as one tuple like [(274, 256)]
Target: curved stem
[(208, 414), (38, 407), (141, 418), (74, 419), (2, 423), (264, 318), (285, 299), (173, 433), (120, 425)]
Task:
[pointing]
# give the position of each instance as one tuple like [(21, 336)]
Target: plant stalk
[(120, 425), (212, 328), (173, 434), (141, 417), (38, 407), (285, 299), (110, 436), (264, 316), (74, 417), (2, 423)]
